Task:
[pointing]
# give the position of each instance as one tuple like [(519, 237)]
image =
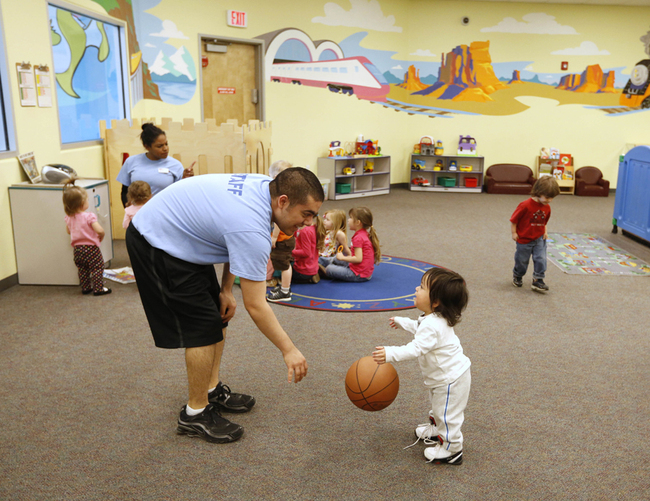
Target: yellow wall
[(306, 119)]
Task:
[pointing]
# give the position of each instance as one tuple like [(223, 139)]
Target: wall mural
[(158, 70), (464, 81)]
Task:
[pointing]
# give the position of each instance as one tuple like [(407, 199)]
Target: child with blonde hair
[(336, 228), (364, 253), (85, 236), (138, 194)]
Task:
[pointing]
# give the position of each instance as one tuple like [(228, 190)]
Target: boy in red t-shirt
[(528, 224)]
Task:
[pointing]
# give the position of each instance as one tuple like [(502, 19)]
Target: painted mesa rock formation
[(516, 78), (591, 80), (412, 80), (465, 74)]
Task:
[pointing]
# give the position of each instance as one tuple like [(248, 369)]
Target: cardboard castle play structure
[(216, 149)]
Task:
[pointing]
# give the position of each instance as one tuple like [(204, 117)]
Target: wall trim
[(9, 282)]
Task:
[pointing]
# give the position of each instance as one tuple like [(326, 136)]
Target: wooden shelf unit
[(362, 183), (567, 186), (459, 176)]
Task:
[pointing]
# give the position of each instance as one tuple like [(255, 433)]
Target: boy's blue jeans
[(522, 255)]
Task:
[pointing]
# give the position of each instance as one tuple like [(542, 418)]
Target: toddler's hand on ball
[(379, 355)]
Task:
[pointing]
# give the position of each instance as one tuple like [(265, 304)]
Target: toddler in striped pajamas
[(441, 297)]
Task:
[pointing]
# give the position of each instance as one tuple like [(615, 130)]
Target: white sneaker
[(438, 455), (427, 431)]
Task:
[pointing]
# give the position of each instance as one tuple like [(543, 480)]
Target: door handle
[(254, 96)]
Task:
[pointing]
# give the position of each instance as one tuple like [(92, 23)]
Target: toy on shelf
[(466, 168), (368, 147), (420, 181), (348, 170), (438, 165), (416, 149), (554, 154), (467, 145), (336, 150), (368, 166), (426, 145), (418, 164), (452, 165), (439, 150), (558, 172), (544, 153)]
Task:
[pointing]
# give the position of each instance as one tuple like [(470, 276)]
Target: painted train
[(352, 75), (637, 90)]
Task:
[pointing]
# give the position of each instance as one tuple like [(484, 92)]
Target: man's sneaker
[(209, 425), (539, 285), (227, 401), (517, 281), (437, 455), (277, 295)]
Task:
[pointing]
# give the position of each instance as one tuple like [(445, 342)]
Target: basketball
[(370, 386)]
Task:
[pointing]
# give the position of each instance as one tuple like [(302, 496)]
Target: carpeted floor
[(558, 409)]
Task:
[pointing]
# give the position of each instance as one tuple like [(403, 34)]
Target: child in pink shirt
[(138, 194), (365, 251), (309, 243), (85, 235)]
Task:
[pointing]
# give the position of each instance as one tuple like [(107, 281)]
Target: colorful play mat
[(392, 287), (586, 254)]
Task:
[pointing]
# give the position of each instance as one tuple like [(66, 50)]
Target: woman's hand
[(189, 172)]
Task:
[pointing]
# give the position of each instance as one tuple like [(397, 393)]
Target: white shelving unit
[(361, 184), (438, 178)]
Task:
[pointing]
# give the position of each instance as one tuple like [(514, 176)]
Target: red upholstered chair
[(590, 183), (515, 179)]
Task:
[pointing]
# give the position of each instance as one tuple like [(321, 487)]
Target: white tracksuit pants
[(448, 411)]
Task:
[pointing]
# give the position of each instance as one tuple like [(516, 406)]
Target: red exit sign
[(237, 19)]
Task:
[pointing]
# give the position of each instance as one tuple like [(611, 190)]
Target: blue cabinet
[(632, 204)]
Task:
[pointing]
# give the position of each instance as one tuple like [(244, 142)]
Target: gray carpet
[(558, 408)]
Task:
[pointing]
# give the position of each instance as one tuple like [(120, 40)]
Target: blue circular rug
[(392, 287)]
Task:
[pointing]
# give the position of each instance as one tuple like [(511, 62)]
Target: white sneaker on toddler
[(427, 432), (438, 455)]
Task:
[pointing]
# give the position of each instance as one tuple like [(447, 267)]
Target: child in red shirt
[(528, 225)]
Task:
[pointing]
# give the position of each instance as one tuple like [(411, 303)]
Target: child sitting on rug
[(309, 240), (528, 226), (137, 195), (85, 236), (441, 297), (364, 252), (334, 224)]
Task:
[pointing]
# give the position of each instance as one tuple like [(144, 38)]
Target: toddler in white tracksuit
[(442, 296)]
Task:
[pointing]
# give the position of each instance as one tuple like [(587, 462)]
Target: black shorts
[(180, 299)]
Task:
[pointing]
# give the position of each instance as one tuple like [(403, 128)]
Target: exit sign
[(237, 18)]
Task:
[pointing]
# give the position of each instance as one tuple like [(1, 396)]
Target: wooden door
[(229, 83)]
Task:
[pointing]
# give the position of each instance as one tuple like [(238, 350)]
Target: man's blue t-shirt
[(158, 173), (213, 218)]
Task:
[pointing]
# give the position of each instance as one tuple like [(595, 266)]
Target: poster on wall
[(43, 86), (26, 84)]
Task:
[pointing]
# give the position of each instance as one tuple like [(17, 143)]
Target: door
[(230, 81)]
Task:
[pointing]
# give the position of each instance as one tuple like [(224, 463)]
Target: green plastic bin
[(343, 188), (447, 181)]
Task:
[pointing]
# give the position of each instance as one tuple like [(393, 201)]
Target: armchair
[(590, 182)]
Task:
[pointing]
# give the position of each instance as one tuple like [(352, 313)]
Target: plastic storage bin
[(447, 181), (471, 182), (343, 188)]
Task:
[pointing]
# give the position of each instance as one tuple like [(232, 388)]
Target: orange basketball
[(370, 386)]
